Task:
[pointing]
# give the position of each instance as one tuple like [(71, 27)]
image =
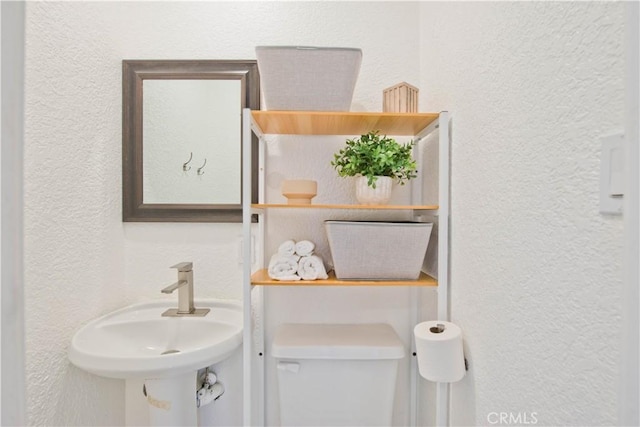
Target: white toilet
[(336, 375)]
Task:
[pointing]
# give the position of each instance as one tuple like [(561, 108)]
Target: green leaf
[(374, 155)]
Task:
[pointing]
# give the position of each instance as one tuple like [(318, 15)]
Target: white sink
[(137, 342)]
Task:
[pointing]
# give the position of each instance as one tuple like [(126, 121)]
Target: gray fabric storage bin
[(308, 78), (378, 250)]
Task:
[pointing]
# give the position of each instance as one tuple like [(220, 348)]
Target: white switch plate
[(612, 174)]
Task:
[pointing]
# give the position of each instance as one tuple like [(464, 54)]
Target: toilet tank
[(336, 375)]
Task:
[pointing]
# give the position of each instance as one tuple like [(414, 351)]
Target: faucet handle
[(183, 266)]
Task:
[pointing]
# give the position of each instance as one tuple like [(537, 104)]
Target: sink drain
[(169, 352)]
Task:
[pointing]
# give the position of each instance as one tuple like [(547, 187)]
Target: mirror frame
[(134, 72)]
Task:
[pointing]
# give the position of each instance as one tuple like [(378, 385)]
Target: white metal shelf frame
[(254, 321)]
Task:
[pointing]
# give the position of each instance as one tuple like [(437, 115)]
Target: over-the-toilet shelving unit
[(255, 277)]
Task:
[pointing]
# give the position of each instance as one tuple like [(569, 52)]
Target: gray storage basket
[(378, 250), (308, 78)]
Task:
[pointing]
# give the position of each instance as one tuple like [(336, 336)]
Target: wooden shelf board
[(341, 123), (261, 277), (341, 206)]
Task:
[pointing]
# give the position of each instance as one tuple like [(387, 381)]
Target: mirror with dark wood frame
[(182, 139)]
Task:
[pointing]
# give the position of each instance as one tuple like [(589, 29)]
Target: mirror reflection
[(191, 137)]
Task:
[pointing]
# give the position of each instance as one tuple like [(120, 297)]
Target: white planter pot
[(374, 196)]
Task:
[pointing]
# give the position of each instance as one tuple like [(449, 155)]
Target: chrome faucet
[(184, 285)]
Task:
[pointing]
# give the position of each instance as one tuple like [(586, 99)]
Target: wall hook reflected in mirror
[(184, 165), (200, 169)]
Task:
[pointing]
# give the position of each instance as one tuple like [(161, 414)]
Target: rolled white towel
[(311, 268), (282, 267), (287, 248), (305, 248)]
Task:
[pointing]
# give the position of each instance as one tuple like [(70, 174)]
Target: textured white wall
[(536, 271), (629, 412), (535, 268), (12, 29), (81, 261)]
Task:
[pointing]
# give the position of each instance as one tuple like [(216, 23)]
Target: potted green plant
[(376, 161)]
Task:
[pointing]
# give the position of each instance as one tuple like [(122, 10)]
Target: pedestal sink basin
[(137, 342)]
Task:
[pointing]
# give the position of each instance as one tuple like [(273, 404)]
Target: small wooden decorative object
[(299, 191), (401, 98)]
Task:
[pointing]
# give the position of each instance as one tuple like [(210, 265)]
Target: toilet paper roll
[(439, 351)]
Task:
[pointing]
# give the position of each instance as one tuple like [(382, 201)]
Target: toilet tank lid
[(337, 341)]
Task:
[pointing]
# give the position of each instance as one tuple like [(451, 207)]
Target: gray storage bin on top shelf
[(378, 250), (308, 78)]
